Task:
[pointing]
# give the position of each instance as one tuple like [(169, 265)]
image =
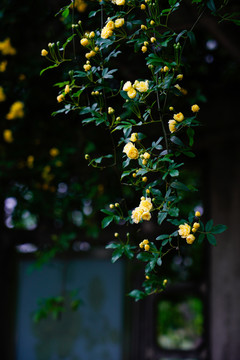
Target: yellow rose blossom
[(67, 89), (143, 27), (110, 110), (153, 39), (119, 22), (195, 108), (92, 35), (197, 214), (178, 117), (144, 179), (166, 69), (145, 242), (132, 93), (146, 216), (180, 76), (137, 215), (60, 98), (184, 230), (3, 66), (146, 247), (134, 137), (84, 42), (131, 151), (54, 152), (120, 2), (190, 239), (110, 25), (30, 161), (7, 136), (172, 125), (105, 33), (2, 95), (96, 49), (143, 7), (6, 47), (142, 86), (144, 49), (152, 22), (87, 67), (196, 225), (44, 52), (146, 204), (146, 156), (171, 108), (127, 86), (16, 111)]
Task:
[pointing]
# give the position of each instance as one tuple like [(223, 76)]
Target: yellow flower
[(54, 152), (105, 33), (153, 39), (171, 108), (84, 41), (144, 49), (111, 206), (119, 23), (16, 111), (110, 110), (132, 93), (143, 27), (197, 214), (92, 53), (120, 2), (152, 22), (127, 86), (141, 86), (196, 225), (146, 204), (180, 76), (172, 125), (143, 7), (146, 247), (60, 98), (96, 49), (3, 66), (184, 230), (67, 89), (7, 136), (145, 242), (144, 179), (165, 282), (30, 161), (166, 69), (87, 67), (178, 117), (44, 52), (131, 151), (190, 239), (2, 95), (146, 155), (110, 25), (134, 137), (92, 35), (146, 216), (195, 108), (137, 215)]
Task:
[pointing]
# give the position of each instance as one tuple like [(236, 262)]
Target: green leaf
[(49, 67), (180, 35), (174, 212), (117, 254), (190, 133), (179, 186), (176, 141), (218, 229), (137, 294), (211, 5), (144, 256), (211, 239), (174, 173), (113, 245), (106, 221), (162, 237), (201, 238), (209, 225), (161, 217)]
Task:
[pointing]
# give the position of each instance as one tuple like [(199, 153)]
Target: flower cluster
[(145, 244), (107, 30), (140, 86), (16, 111), (179, 117), (185, 230), (118, 2), (142, 212)]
